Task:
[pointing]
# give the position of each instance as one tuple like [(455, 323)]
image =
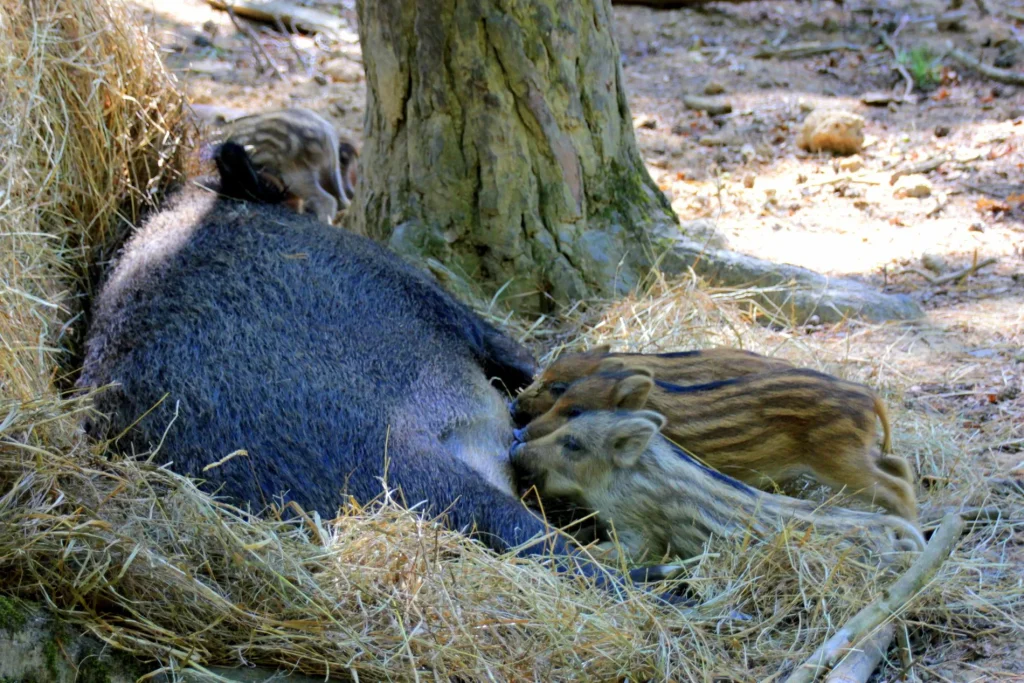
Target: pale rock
[(934, 263), (914, 186), (851, 164), (832, 130)]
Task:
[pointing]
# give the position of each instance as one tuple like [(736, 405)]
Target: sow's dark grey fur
[(321, 354)]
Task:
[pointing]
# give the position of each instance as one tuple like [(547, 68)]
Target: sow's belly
[(479, 432)]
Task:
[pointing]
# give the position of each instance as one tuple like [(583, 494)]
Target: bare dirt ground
[(963, 365)]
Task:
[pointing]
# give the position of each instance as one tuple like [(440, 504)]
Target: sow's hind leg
[(473, 505)]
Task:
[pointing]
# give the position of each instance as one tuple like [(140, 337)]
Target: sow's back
[(229, 326)]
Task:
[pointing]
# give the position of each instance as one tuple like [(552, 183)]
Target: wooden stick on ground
[(804, 50), (858, 666), (955, 275), (892, 601), (254, 44), (927, 166), (907, 79), (995, 73)]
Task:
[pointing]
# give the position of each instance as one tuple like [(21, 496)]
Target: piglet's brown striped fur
[(660, 501), (762, 429), (682, 367), (303, 151)]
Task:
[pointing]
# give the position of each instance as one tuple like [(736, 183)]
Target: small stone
[(934, 263), (976, 227), (648, 122), (877, 99), (801, 179), (714, 88), (912, 186), (814, 320), (941, 131), (202, 40), (805, 106), (748, 153), (748, 180), (861, 204), (712, 106), (832, 130), (725, 138), (851, 164), (679, 129)]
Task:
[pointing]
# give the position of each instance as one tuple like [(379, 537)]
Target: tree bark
[(498, 142)]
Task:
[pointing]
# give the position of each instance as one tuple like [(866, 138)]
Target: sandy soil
[(743, 171)]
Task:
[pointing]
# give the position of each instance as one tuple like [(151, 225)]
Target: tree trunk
[(498, 142)]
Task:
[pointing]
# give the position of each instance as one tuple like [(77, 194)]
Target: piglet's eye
[(575, 411), (571, 445), (558, 388)]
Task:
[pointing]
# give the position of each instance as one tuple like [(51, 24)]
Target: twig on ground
[(973, 516), (291, 43), (986, 191), (858, 666), (956, 275), (926, 166), (905, 652), (992, 72), (907, 78), (892, 601), (866, 179), (254, 43), (804, 50), (940, 204)]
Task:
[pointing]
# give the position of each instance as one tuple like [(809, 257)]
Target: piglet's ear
[(611, 365), (629, 439), (657, 419), (631, 392), (600, 350)]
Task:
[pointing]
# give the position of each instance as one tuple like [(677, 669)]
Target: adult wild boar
[(229, 325)]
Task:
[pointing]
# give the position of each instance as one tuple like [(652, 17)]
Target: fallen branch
[(926, 166), (804, 50), (863, 179), (283, 30), (973, 517), (892, 601), (905, 652), (956, 275), (907, 78), (303, 19), (992, 72), (254, 44), (858, 666)]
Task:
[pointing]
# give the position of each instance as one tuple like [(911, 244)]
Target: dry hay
[(92, 130)]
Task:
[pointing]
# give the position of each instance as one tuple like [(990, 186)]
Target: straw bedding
[(92, 132)]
